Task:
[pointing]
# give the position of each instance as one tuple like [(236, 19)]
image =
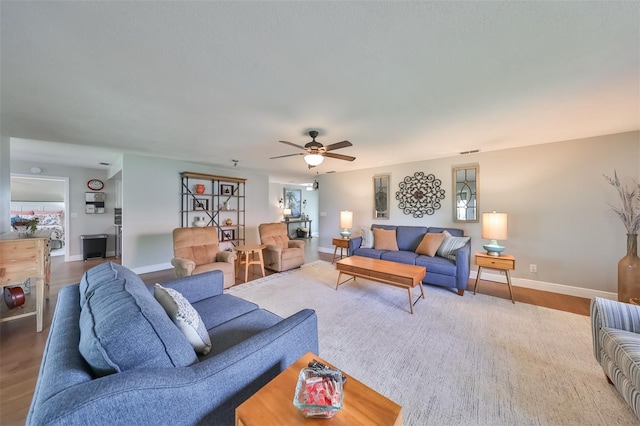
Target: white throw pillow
[(451, 245), (367, 238), (185, 317)]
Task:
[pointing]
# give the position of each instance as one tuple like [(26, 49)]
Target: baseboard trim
[(152, 268), (532, 284)]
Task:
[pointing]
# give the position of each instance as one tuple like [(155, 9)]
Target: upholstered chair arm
[(276, 250), (612, 314), (296, 244), (354, 243), (226, 256), (183, 267)]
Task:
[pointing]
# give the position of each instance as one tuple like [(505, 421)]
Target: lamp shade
[(313, 159), (286, 212), (494, 226), (346, 219)]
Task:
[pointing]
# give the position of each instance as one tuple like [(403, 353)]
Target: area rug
[(471, 360)]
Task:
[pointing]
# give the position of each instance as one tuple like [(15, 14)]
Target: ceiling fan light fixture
[(313, 159)]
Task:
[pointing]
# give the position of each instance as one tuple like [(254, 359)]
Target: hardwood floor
[(21, 347)]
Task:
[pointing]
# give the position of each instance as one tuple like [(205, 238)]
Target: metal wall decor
[(420, 194)]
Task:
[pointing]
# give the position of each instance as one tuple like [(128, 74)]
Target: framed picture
[(381, 196), (226, 189), (227, 234), (200, 204), (293, 201)]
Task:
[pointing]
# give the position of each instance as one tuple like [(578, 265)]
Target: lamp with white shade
[(286, 213), (494, 228), (346, 222)]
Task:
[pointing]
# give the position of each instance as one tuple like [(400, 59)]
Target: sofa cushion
[(401, 256), (220, 309), (385, 239), (185, 317), (437, 265), (409, 237), (368, 252), (122, 327), (622, 347), (430, 244), (450, 245), (367, 238)]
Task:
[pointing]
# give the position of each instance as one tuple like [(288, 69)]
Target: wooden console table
[(299, 221), (22, 258)]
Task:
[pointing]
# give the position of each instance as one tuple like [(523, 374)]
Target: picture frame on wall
[(381, 196), (200, 204), (226, 189), (293, 201)]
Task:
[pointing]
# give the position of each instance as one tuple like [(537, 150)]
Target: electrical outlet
[(323, 214), (533, 268)]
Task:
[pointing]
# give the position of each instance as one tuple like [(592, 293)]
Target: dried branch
[(629, 214)]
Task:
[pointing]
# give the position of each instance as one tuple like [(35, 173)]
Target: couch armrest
[(354, 243), (276, 250), (226, 256), (296, 244), (204, 393), (463, 266), (198, 287), (183, 267), (612, 314)]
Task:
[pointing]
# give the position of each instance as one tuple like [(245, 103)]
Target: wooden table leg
[(510, 289), (39, 303), (261, 262), (477, 278)]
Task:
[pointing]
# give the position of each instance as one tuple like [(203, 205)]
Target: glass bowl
[(319, 392)]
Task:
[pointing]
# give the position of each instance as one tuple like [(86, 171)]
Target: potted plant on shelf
[(629, 214)]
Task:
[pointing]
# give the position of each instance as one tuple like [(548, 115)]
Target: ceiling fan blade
[(337, 145), (339, 156), (288, 155), (293, 144)]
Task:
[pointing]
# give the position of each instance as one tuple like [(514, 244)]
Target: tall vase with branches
[(629, 213)]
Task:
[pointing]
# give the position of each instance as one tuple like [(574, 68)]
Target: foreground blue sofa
[(440, 271), (143, 369)]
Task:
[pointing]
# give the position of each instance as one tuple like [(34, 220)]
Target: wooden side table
[(343, 243), (247, 256), (273, 404), (503, 262)]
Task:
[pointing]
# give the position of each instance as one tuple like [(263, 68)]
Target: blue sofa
[(440, 271), (159, 379)]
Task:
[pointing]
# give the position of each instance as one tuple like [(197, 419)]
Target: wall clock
[(95, 184)]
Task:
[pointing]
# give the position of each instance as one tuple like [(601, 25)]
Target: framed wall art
[(226, 189), (293, 201), (200, 204), (227, 234), (381, 196), (465, 188)]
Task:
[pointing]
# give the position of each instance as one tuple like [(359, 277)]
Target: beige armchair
[(197, 250), (281, 253)]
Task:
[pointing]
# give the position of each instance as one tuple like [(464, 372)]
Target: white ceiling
[(403, 81)]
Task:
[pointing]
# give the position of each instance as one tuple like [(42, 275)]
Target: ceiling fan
[(315, 151)]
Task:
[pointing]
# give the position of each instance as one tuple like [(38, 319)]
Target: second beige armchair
[(281, 253), (197, 250)]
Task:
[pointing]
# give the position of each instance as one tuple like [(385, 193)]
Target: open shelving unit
[(217, 200)]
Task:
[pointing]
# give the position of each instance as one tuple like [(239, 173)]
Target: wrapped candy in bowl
[(319, 392)]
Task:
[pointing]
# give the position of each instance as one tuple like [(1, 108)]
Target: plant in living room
[(28, 226), (629, 213)]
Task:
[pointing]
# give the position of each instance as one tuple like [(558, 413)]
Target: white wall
[(151, 201), (554, 193)]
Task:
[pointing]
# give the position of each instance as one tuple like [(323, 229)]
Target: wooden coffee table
[(273, 404), (383, 271)]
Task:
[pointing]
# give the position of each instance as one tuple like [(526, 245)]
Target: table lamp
[(346, 222), (286, 213), (494, 228)]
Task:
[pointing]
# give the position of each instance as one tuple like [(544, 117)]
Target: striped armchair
[(615, 328)]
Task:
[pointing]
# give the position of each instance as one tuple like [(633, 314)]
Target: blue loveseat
[(158, 377), (440, 271)]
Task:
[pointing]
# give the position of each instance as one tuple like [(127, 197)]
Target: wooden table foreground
[(273, 404)]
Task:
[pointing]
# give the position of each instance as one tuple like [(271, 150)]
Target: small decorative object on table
[(26, 226), (319, 391), (228, 222)]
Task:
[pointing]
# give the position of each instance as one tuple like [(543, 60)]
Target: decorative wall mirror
[(381, 196), (465, 188)]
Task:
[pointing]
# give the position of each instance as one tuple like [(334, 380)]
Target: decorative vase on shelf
[(199, 222), (629, 271), (200, 188), (228, 222)]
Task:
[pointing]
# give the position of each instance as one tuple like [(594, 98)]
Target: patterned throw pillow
[(451, 245), (367, 238), (430, 244), (385, 239), (185, 317)]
